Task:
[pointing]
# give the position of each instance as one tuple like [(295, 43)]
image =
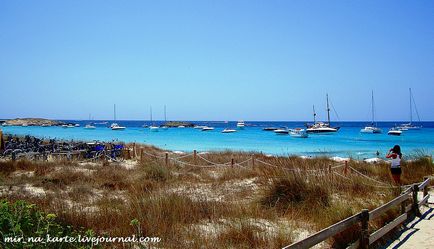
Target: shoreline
[(372, 160), (347, 143)]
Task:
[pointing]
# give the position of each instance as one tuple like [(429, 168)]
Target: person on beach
[(395, 168)]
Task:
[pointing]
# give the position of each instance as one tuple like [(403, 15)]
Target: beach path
[(419, 233)]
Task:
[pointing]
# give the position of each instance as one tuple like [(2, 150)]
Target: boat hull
[(371, 130), (154, 128), (322, 130), (394, 133)]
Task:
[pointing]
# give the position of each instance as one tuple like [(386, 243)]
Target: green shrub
[(21, 220)]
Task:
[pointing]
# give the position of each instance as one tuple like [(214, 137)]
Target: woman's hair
[(397, 150)]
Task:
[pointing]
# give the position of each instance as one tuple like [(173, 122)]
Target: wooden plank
[(380, 210), (424, 200), (325, 233), (407, 191), (408, 208), (382, 231), (423, 184)]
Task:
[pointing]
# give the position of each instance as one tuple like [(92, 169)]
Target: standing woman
[(395, 168)]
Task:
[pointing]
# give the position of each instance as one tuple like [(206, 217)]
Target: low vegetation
[(191, 203), (21, 220)]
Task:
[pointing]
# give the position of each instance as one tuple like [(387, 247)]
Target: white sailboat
[(164, 127), (115, 126), (241, 125), (373, 127), (89, 126), (153, 127), (410, 125), (320, 127)]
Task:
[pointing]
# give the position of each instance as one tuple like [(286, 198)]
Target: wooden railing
[(365, 216)]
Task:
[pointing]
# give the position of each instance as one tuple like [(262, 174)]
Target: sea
[(347, 142)]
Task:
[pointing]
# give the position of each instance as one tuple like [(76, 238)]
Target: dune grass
[(190, 205)]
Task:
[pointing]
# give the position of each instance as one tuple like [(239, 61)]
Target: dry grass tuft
[(295, 192)]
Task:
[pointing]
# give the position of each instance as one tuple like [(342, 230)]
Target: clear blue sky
[(215, 60)]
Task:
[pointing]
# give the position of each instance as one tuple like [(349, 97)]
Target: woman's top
[(396, 160)]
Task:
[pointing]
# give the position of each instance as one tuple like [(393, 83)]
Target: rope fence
[(331, 169)]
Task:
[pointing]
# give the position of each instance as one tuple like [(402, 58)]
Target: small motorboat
[(394, 132), (24, 125), (164, 127), (199, 126), (45, 125), (64, 126), (241, 124), (299, 133), (229, 130), (89, 127), (371, 129), (181, 126), (70, 126), (270, 129), (206, 128), (116, 127), (77, 125), (282, 131), (154, 128), (409, 126)]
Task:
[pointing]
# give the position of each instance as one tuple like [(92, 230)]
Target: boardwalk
[(419, 233)]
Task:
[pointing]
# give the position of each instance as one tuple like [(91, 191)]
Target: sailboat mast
[(314, 114), (328, 108), (114, 112), (372, 103), (411, 109)]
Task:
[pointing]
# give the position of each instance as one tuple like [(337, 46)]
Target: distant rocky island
[(178, 123), (32, 122)]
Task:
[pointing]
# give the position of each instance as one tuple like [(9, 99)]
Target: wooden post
[(166, 159), (403, 204), (330, 168), (415, 206), (346, 168), (141, 154), (425, 190), (194, 156), (1, 139), (104, 159), (134, 151), (364, 234), (232, 162), (253, 160)]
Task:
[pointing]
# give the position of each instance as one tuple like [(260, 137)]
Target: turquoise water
[(348, 142)]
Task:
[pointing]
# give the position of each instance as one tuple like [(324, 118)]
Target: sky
[(216, 60)]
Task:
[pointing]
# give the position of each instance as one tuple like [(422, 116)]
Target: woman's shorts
[(395, 171)]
